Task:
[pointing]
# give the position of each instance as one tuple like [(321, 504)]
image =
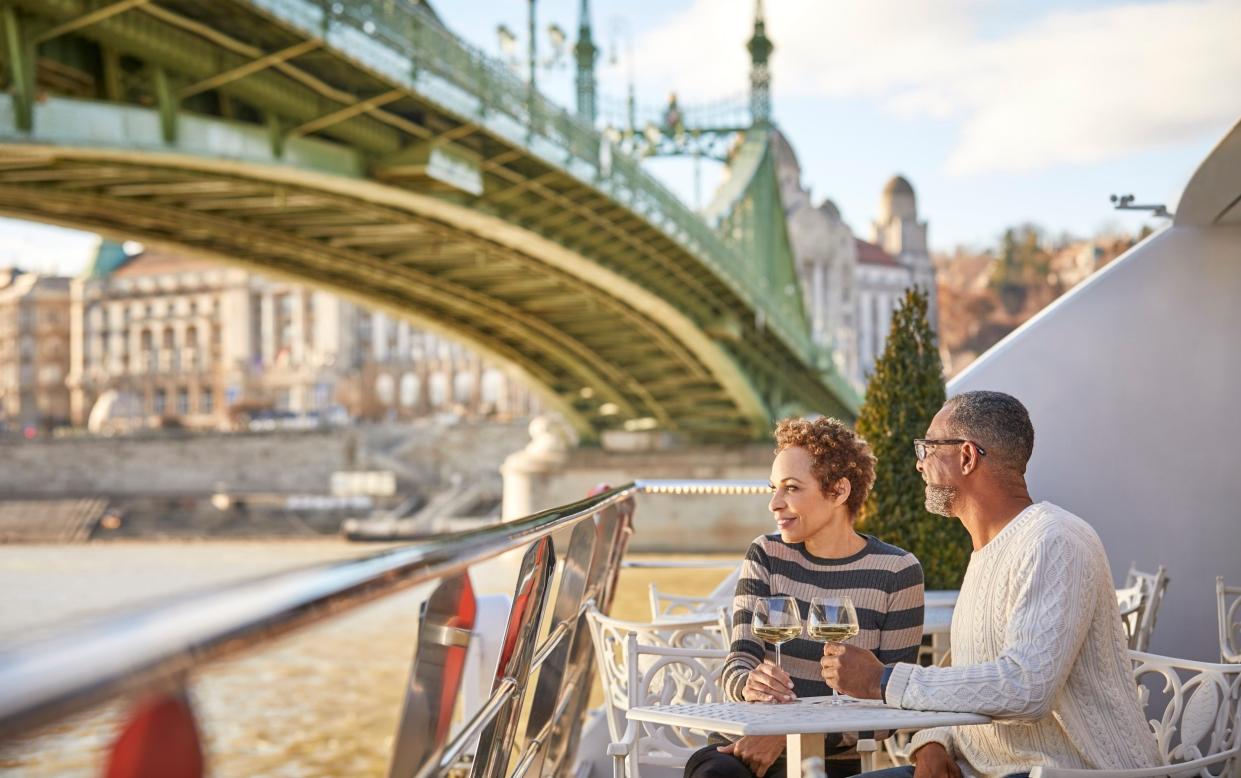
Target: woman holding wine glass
[(816, 579)]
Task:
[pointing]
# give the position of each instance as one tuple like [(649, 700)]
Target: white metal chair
[(1197, 731), (611, 640), (666, 606), (1140, 622), (658, 675), (1229, 614), (1129, 598)]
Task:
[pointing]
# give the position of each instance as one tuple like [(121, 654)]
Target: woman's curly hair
[(836, 452)]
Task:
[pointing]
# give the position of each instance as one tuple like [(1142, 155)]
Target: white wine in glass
[(832, 619), (777, 620)]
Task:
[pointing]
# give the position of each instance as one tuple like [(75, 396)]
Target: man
[(1037, 642)]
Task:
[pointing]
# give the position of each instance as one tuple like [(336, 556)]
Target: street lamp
[(509, 45), (620, 29), (558, 39), (508, 41)]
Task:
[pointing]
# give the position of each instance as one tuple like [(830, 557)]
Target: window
[(191, 355), (493, 387), (159, 402), (206, 401), (385, 389), (463, 387), (437, 389), (183, 402), (409, 390)]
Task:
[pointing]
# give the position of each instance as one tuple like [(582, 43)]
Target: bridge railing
[(539, 690), (374, 30)]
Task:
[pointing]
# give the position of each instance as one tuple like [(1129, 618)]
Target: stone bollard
[(527, 473)]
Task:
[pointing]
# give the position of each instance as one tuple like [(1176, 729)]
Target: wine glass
[(832, 619), (776, 620)]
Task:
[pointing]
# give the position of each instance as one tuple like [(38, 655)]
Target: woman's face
[(798, 505)]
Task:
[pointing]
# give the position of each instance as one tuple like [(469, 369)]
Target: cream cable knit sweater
[(1037, 644)]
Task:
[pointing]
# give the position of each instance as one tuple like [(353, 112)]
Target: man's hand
[(768, 683), (757, 751), (933, 761), (851, 670)]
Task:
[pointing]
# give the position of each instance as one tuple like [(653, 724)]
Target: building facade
[(852, 286), (34, 351), (160, 338)]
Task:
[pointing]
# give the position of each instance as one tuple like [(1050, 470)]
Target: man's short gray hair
[(996, 421)]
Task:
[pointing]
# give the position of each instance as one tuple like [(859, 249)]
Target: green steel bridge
[(362, 148)]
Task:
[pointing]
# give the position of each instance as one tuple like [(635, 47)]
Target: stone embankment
[(180, 464), (181, 485), (277, 484)]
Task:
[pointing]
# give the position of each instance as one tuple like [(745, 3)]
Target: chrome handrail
[(146, 650)]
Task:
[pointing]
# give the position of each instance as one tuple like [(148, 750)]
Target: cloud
[(1026, 89)]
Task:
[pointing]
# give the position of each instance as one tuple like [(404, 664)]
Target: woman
[(819, 479)]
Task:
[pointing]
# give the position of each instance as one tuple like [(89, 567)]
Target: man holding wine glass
[(815, 580), (1037, 642)]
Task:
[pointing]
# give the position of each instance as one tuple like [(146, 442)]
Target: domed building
[(852, 286)]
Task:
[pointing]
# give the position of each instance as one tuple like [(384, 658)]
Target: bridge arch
[(364, 147), (418, 256)]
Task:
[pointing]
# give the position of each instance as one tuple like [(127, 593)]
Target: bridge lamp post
[(620, 29), (509, 45)]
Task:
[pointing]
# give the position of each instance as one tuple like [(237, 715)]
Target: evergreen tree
[(905, 391)]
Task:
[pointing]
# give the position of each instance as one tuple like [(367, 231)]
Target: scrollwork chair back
[(611, 639)]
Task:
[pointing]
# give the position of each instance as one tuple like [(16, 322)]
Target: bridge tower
[(760, 48), (586, 53)]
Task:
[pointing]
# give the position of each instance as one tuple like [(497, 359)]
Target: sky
[(999, 113)]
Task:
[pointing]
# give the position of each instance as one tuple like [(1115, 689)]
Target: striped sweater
[(884, 582)]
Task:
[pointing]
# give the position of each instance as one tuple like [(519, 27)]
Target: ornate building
[(851, 286), (899, 233), (158, 337), (34, 350)]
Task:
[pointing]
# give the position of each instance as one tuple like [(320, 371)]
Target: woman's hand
[(768, 683), (757, 751)]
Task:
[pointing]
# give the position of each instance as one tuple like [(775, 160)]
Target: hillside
[(984, 296)]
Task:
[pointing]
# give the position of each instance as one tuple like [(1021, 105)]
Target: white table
[(803, 722)]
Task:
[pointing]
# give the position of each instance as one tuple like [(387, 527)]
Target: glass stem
[(778, 655)]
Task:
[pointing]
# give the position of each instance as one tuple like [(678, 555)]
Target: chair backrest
[(1129, 600), (726, 588), (1143, 620), (1199, 720), (671, 676), (611, 636), (667, 606), (1229, 614)]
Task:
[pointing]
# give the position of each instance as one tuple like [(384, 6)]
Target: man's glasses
[(923, 446)]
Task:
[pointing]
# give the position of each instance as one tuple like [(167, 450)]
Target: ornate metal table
[(804, 721)]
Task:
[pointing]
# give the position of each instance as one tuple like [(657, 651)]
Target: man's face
[(939, 469)]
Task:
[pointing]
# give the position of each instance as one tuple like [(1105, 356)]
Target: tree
[(905, 391)]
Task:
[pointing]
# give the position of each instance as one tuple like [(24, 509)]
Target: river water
[(322, 702)]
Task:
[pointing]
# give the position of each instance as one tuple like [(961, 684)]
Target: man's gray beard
[(939, 500)]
